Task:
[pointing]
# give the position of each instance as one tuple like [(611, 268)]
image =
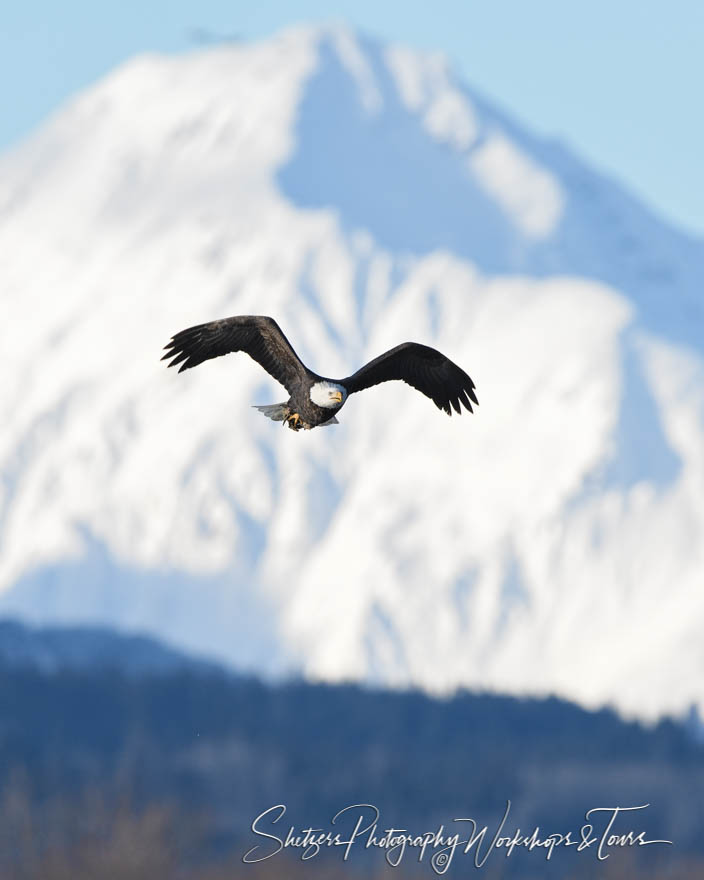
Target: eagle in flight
[(315, 400)]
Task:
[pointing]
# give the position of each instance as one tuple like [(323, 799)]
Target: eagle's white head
[(329, 395)]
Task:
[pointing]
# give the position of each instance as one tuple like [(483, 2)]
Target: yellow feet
[(293, 421)]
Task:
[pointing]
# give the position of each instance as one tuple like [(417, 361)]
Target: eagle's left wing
[(424, 368), (257, 335)]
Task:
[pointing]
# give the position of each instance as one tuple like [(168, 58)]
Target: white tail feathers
[(275, 411), (280, 411)]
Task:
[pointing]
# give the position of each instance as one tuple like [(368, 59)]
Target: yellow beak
[(336, 395)]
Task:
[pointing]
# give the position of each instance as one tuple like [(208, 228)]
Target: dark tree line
[(222, 749)]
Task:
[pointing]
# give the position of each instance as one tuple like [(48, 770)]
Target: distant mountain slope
[(80, 648), (362, 195)]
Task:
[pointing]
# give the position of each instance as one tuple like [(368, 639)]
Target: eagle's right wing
[(257, 335), (422, 367)]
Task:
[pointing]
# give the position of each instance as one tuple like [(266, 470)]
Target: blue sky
[(620, 80)]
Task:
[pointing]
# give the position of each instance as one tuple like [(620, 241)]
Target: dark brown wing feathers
[(426, 369), (257, 335)]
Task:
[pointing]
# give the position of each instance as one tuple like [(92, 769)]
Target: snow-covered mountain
[(361, 195)]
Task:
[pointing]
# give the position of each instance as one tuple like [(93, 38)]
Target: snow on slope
[(554, 541)]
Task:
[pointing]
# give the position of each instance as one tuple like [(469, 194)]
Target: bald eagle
[(314, 400)]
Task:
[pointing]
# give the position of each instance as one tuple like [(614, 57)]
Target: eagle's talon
[(293, 422)]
